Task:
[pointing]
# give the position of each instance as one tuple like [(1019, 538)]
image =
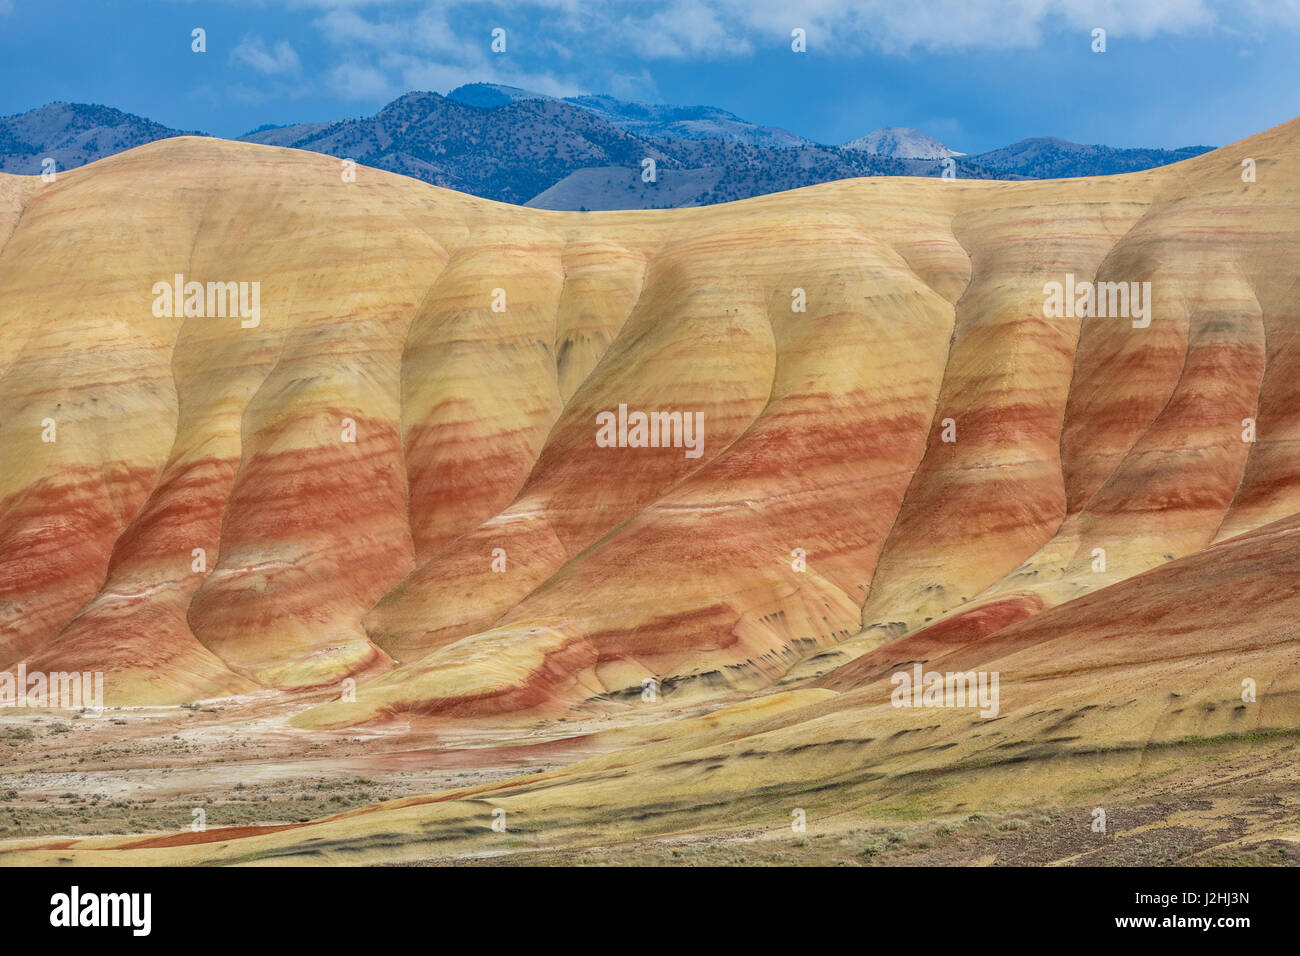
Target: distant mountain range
[(584, 152), (902, 142), (1049, 158), (73, 134), (645, 120)]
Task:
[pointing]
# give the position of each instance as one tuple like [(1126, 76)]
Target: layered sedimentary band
[(381, 462)]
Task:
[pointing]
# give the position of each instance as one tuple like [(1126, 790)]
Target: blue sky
[(975, 75)]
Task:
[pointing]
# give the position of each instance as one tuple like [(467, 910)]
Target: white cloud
[(687, 29), (278, 60), (724, 28), (388, 55), (390, 47), (355, 81), (639, 86), (721, 29)]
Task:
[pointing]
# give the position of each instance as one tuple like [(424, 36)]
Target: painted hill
[(413, 461), (472, 347), (1132, 689)]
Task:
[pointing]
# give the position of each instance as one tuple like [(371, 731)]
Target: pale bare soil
[(144, 771), (1141, 834)]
